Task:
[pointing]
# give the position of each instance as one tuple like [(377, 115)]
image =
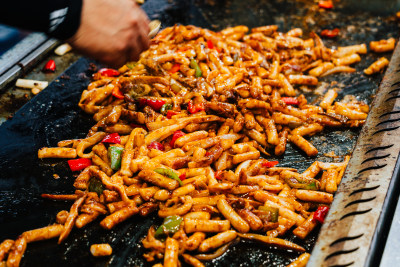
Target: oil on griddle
[(53, 115)]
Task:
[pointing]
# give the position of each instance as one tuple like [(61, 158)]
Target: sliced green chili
[(195, 66), (95, 185), (307, 184), (115, 154), (131, 64), (164, 109), (176, 86), (169, 227), (273, 212), (169, 173)]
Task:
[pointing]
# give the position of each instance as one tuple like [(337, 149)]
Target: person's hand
[(112, 31)]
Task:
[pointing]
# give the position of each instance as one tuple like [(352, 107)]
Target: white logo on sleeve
[(57, 17)]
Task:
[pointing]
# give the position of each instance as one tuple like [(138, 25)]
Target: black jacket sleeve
[(57, 18)]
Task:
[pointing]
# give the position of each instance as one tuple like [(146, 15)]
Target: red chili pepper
[(320, 213), (175, 136), (134, 125), (108, 72), (330, 33), (269, 164), (218, 174), (79, 164), (175, 68), (155, 104), (156, 145), (195, 108), (50, 66), (210, 44), (113, 138), (290, 100), (142, 102), (117, 93), (182, 176), (327, 4), (171, 113)]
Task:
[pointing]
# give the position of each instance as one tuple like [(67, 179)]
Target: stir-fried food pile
[(187, 131)]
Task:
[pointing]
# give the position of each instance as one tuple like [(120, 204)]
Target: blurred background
[(9, 36)]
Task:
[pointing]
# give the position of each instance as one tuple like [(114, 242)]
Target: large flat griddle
[(53, 115)]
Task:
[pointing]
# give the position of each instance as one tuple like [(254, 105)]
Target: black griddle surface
[(53, 115)]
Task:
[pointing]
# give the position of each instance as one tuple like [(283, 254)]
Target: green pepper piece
[(195, 66), (176, 86), (170, 225), (235, 57), (164, 109), (115, 154), (169, 173), (95, 185), (273, 212), (307, 184), (131, 64), (312, 186)]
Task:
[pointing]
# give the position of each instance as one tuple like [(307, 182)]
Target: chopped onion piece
[(62, 49), (25, 83), (154, 26)]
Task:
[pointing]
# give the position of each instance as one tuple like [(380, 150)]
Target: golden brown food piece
[(119, 216), (324, 67), (331, 177), (229, 213), (16, 253), (72, 215), (59, 197), (198, 215), (273, 241), (5, 247), (304, 145), (192, 261), (217, 240), (347, 60), (194, 241), (301, 261), (338, 69), (176, 206), (183, 190), (56, 152), (208, 200), (312, 171), (328, 99), (382, 45), (101, 250), (343, 109), (309, 129), (347, 50), (89, 142), (377, 66), (314, 196), (171, 253), (158, 179), (44, 233), (306, 227), (207, 226), (302, 79), (181, 141), (254, 222), (283, 137)]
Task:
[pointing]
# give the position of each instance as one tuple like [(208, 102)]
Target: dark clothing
[(57, 18)]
